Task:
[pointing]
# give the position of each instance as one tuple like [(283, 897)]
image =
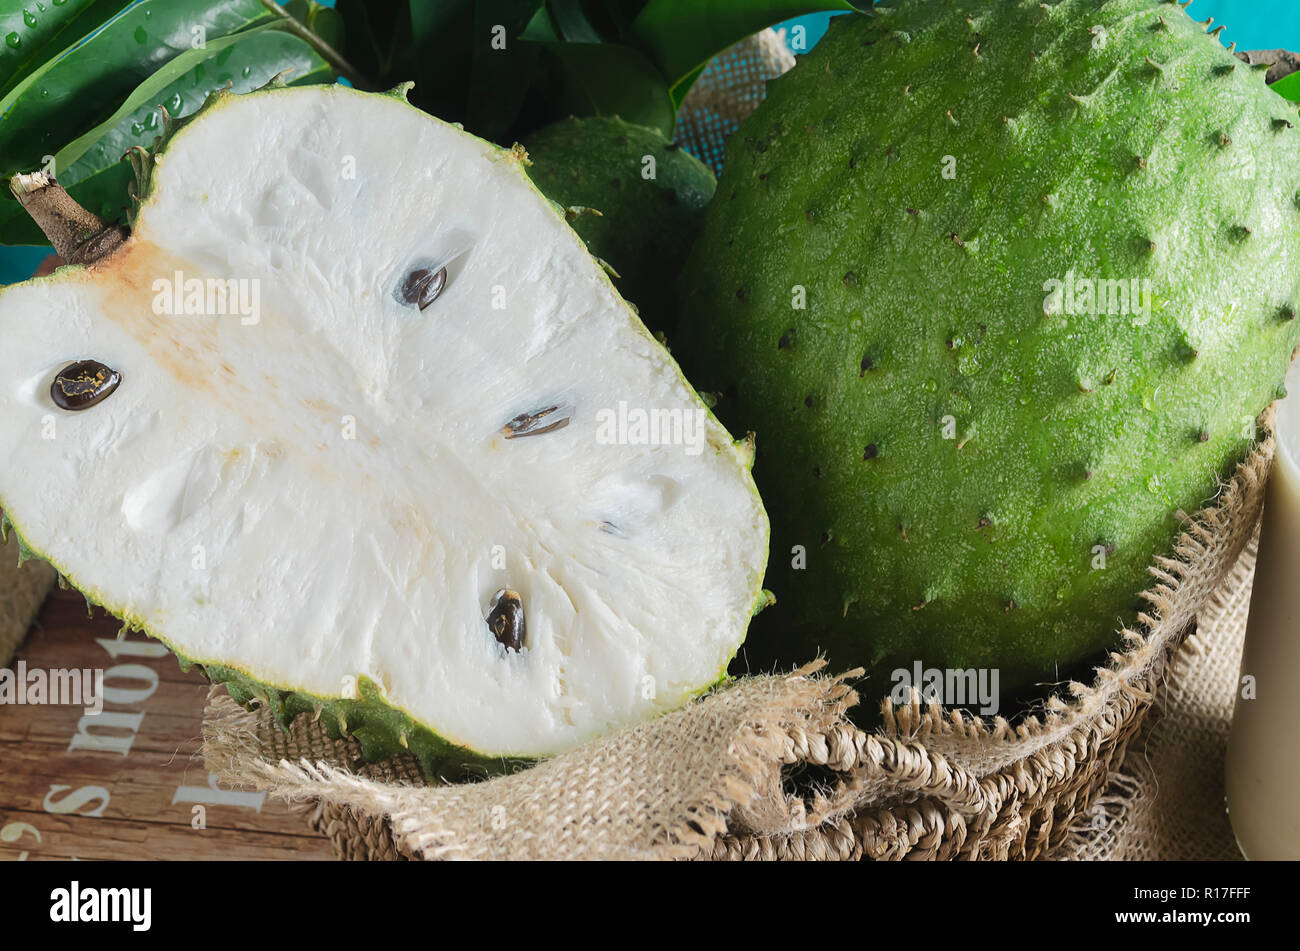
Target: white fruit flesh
[(326, 493)]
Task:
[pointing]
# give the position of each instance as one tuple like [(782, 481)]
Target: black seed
[(423, 285), (870, 452), (984, 522), (784, 343), (866, 364), (825, 540), (817, 472), (1203, 436), (808, 401), (1286, 313), (1280, 124), (506, 619), (1010, 605), (82, 384), (535, 424)]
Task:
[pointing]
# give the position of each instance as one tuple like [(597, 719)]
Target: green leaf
[(622, 14), (607, 79), (679, 36), (91, 166), (325, 22), (1288, 87), (244, 62), (35, 31), (572, 22), (503, 65), (540, 28), (683, 85), (377, 33), (438, 57), (84, 84)]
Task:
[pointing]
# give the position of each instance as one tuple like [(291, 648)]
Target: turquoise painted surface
[(1251, 24)]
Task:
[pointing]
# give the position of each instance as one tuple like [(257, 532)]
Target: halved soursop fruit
[(423, 472)]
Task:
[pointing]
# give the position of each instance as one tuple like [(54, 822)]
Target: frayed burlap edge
[(769, 767), (22, 590), (666, 789)]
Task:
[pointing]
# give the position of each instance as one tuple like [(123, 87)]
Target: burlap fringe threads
[(770, 767)]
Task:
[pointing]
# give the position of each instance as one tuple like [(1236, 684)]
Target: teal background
[(1251, 24)]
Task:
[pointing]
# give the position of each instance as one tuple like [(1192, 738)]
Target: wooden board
[(144, 794)]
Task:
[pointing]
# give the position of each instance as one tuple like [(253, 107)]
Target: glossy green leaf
[(85, 83), (1288, 87), (572, 22), (244, 61), (607, 80), (683, 85), (679, 36), (33, 32), (541, 28), (90, 167), (502, 65), (325, 22)]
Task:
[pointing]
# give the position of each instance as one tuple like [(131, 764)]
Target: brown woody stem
[(78, 236)]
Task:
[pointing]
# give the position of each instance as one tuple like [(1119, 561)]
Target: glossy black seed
[(423, 285), (82, 384), (506, 619), (535, 424)]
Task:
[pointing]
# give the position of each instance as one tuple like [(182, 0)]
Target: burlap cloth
[(770, 767), (22, 589)]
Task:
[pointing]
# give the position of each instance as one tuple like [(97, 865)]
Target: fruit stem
[(78, 236)]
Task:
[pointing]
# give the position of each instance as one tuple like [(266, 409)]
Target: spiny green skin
[(646, 226), (1146, 155)]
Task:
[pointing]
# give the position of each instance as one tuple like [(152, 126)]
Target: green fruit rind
[(593, 168), (976, 478)]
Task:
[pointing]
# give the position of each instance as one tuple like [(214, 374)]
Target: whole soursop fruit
[(394, 490), (641, 217), (1001, 287)]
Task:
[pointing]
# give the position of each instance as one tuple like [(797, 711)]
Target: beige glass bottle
[(1263, 764)]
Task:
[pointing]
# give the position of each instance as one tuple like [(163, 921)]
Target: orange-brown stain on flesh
[(189, 347), (185, 346)]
